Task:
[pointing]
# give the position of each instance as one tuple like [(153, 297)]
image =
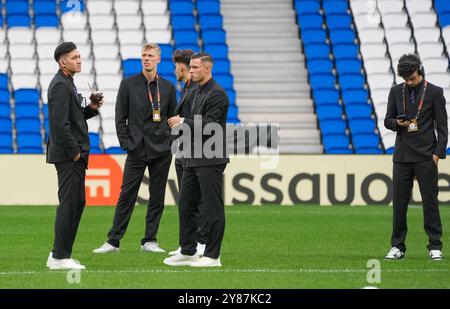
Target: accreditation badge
[(156, 115), (413, 127)]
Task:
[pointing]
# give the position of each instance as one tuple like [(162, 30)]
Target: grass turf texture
[(264, 247)]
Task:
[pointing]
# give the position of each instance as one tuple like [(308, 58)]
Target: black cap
[(64, 48)]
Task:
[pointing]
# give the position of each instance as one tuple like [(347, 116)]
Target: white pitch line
[(21, 273)]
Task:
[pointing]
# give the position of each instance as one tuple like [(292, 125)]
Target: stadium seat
[(131, 66), (306, 7), (28, 125), (356, 96), (211, 22), (361, 125), (329, 112), (317, 51), (320, 66), (183, 22), (326, 97), (5, 126), (49, 20), (68, 6), (322, 81), (26, 96), (333, 126), (208, 7), (356, 111), (336, 143), (314, 36), (29, 143), (217, 51), (181, 8), (30, 111)]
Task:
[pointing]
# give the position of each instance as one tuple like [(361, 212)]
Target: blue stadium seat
[(95, 150), (355, 96), (351, 81), (72, 6), (442, 6), (211, 22), (361, 125), (45, 111), (183, 22), (166, 67), (231, 96), (317, 51), (335, 7), (349, 66), (5, 126), (46, 20), (44, 7), (342, 37), (16, 7), (213, 37), (224, 80), (369, 150), (221, 67), (115, 150), (1, 24), (345, 51), (365, 141), (320, 66), (193, 47), (232, 113), (94, 139), (4, 97), (166, 51), (5, 140), (3, 81), (131, 67), (310, 21), (314, 36), (26, 96), (356, 111), (336, 142), (5, 111), (333, 126), (329, 112), (391, 150), (181, 8), (339, 21), (170, 77), (24, 126), (322, 81), (186, 37), (217, 51), (326, 97), (306, 7), (27, 111), (208, 7), (18, 21), (444, 19), (29, 143)]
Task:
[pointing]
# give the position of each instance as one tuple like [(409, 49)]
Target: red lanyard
[(158, 95), (421, 99)]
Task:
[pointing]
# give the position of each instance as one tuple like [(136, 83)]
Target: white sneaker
[(436, 255), (65, 264), (200, 250), (106, 248), (394, 254), (181, 260), (50, 259), (207, 262), (175, 252), (152, 247)]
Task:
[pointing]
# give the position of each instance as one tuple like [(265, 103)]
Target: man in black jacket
[(144, 103), (415, 109), (181, 59), (68, 148), (203, 172)]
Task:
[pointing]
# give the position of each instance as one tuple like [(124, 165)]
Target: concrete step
[(268, 78), (230, 2), (272, 87), (313, 134), (248, 20), (263, 27), (278, 74), (267, 48), (260, 42), (231, 35), (276, 109), (301, 149), (257, 102), (307, 119), (274, 5), (264, 57), (264, 65), (274, 95), (249, 12)]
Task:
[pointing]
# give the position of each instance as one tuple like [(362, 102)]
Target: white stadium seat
[(99, 7), (3, 65), (367, 21), (77, 36), (48, 35), (24, 81), (128, 37), (373, 50), (45, 79), (398, 35), (126, 7), (18, 35), (130, 51), (158, 36), (45, 51), (129, 22), (74, 21), (371, 36), (3, 51), (2, 35), (424, 20), (108, 82), (81, 81), (101, 22), (22, 51), (416, 6), (108, 110), (430, 50), (380, 81), (446, 34), (362, 7), (154, 7), (435, 65), (390, 6), (394, 20), (106, 51), (380, 65), (93, 124), (23, 66), (109, 66), (426, 35), (156, 22), (379, 96), (439, 79), (389, 140), (103, 37), (399, 49)]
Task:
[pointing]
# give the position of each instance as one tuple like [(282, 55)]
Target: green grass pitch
[(264, 247)]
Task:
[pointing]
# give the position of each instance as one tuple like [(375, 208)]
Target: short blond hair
[(152, 46)]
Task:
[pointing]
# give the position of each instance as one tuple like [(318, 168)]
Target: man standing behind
[(68, 148), (415, 109), (182, 58), (203, 172), (144, 103)]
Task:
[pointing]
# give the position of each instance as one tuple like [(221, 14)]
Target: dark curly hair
[(182, 56), (408, 64)]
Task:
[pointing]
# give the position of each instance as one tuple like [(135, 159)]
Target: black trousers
[(71, 195), (206, 182), (201, 220), (426, 173), (132, 179)]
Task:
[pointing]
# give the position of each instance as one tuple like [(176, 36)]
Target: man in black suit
[(415, 109), (144, 103), (68, 148), (205, 164), (181, 59)]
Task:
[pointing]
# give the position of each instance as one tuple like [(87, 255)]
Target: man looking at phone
[(415, 109)]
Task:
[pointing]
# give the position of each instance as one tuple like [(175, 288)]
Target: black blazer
[(212, 104), (134, 115), (68, 134), (421, 145)]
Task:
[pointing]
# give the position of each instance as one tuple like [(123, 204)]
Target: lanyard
[(421, 99), (158, 95)]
